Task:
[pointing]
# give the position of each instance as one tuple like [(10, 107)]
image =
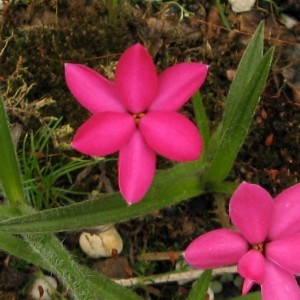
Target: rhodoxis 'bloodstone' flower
[(137, 116), (266, 246)]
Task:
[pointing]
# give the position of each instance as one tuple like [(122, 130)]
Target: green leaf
[(83, 283), (52, 257), (169, 187), (201, 117), (16, 246), (10, 176), (247, 66), (50, 250), (230, 138), (200, 287), (7, 212), (251, 296), (221, 187)]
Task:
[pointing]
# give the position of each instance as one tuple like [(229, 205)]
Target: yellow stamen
[(259, 247), (137, 117)]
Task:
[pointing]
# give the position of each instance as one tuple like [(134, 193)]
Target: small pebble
[(43, 288), (241, 5), (216, 286)]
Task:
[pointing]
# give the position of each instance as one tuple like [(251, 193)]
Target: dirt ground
[(39, 36)]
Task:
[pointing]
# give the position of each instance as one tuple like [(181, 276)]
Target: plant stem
[(171, 277)]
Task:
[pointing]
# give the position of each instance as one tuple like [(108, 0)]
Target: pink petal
[(279, 284), (215, 249), (91, 89), (136, 168), (252, 266), (177, 84), (250, 209), (286, 214), (285, 253), (247, 286), (104, 133), (171, 135), (136, 79)]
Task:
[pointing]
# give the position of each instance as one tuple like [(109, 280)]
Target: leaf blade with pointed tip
[(47, 252), (227, 142), (169, 187), (251, 296), (200, 287), (10, 176)]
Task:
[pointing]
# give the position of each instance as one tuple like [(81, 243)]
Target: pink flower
[(267, 246), (137, 116)]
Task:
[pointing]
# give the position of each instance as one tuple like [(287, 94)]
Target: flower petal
[(136, 79), (252, 266), (171, 135), (250, 209), (136, 168), (215, 249), (279, 284), (92, 90), (285, 253), (247, 286), (286, 214), (177, 84), (104, 133)]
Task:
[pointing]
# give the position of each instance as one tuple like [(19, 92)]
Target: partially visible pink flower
[(137, 116), (266, 246)]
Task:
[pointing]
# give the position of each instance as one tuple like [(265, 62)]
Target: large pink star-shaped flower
[(266, 247), (137, 116)]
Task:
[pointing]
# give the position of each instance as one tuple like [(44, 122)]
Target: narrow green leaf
[(16, 246), (10, 176), (221, 187), (201, 117), (231, 137), (7, 212), (100, 285), (251, 296), (50, 250), (199, 290), (83, 283), (169, 187), (235, 100), (107, 289), (247, 66)]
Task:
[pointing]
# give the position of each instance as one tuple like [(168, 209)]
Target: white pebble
[(289, 22), (241, 5), (43, 288), (101, 244)]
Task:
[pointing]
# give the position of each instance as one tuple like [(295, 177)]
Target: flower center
[(137, 117), (259, 247)]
